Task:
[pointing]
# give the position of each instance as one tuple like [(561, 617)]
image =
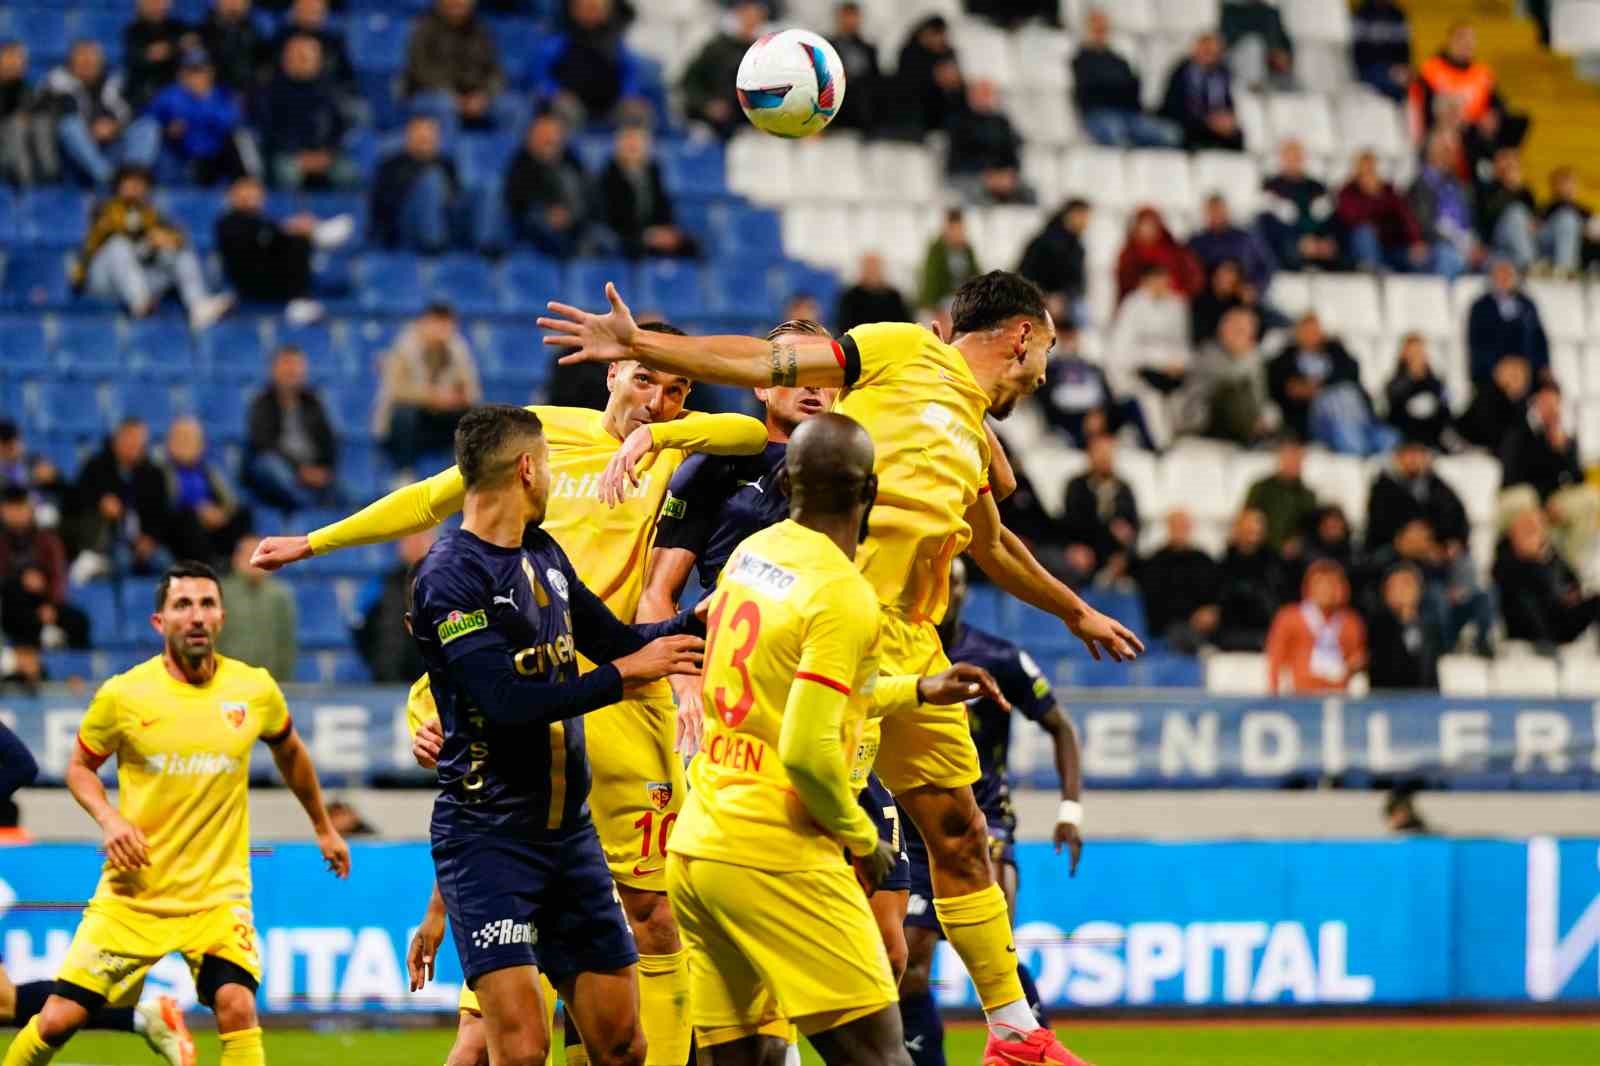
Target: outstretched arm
[(416, 507), (294, 763), (1001, 555), (749, 362)]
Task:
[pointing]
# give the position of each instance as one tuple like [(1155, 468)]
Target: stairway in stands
[(1565, 109)]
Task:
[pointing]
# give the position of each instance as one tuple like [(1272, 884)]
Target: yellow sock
[(664, 1008), (979, 928), (551, 996), (28, 1049), (243, 1048)]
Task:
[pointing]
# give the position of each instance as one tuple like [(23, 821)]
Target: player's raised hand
[(591, 338), (874, 868), (335, 852), (691, 716), (960, 683), (424, 949), (1067, 836), (1102, 632), (681, 654), (427, 744), (125, 845), (276, 552), (625, 466)]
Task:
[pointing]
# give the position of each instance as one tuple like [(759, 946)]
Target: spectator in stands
[(205, 138), (232, 38), (34, 472), (1055, 260), (1078, 401), (1296, 219), (153, 44), (1508, 216), (1225, 290), (385, 645), (927, 86), (414, 192), (1443, 207), (1573, 238), (1221, 239), (347, 821), (1225, 393), (207, 517), (1541, 598), (1147, 352), (1381, 47), (1100, 518), (261, 616), (302, 122), (34, 611), (270, 262), (950, 261), (310, 18), (1251, 585), (1504, 323), (117, 512), (1380, 230), (1456, 71), (429, 381), (1181, 584), (1408, 489), (1498, 404), (871, 299), (985, 155), (1417, 402), (27, 141), (1258, 46), (292, 451), (95, 128), (1149, 244), (861, 73), (588, 73), (1328, 536), (709, 91), (546, 191), (1284, 500), (1199, 98), (1316, 384), (1106, 90), (1404, 650), (1542, 470), (1400, 814), (1318, 644), (135, 255), (13, 456), (453, 70), (637, 206)]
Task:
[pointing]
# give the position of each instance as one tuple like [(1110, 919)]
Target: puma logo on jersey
[(756, 484), (509, 599)]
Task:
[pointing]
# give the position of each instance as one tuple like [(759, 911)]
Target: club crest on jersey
[(558, 581), (233, 712), (660, 793), (456, 624)]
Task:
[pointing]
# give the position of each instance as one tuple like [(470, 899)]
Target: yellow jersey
[(789, 605), (918, 399), (183, 774)]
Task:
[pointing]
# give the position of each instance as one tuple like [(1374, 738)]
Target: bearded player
[(924, 402)]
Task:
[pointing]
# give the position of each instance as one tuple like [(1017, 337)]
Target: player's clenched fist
[(427, 744), (275, 552), (960, 683), (126, 846), (681, 654)]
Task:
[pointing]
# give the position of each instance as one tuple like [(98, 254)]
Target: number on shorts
[(645, 823), (749, 614), (892, 813)]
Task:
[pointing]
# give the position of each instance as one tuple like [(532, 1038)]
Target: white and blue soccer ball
[(791, 83)]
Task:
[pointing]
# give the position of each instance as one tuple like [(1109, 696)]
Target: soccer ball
[(791, 83)]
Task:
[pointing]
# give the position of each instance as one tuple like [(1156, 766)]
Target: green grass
[(1123, 1044)]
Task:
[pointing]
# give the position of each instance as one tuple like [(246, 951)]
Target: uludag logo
[(233, 713), (660, 793)]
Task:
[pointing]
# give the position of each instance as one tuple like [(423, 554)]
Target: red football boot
[(1013, 1047)]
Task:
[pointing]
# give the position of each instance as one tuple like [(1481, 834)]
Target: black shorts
[(880, 807), (519, 902), (919, 907)]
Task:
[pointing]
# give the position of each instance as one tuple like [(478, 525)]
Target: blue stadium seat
[(235, 349), (320, 621), (693, 167), (528, 282), (70, 662), (347, 668), (327, 359), (377, 41), (65, 451), (222, 407), (791, 278), (43, 30), (86, 346), (36, 279), (361, 468), (369, 339), (752, 231), (105, 27), (22, 346), (482, 158), (159, 349), (195, 211), (673, 287), (150, 401), (517, 355), (99, 601), (55, 216), (10, 224), (390, 282), (1169, 671), (350, 408), (743, 286), (982, 608), (586, 280), (467, 283)]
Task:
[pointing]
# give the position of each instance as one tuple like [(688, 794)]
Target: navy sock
[(1031, 994), (919, 1015), (30, 1000), (118, 1018), (571, 1037)]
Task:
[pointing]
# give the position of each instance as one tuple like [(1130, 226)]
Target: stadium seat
[(1048, 119), (1531, 675), (55, 216), (1185, 18), (1097, 173), (1236, 176), (1418, 303), (754, 232), (1347, 302), (1575, 27), (1196, 471), (1580, 674), (42, 29), (466, 282), (902, 173), (321, 617), (99, 601), (158, 349), (1133, 16), (378, 41), (693, 167), (1236, 674), (760, 168), (390, 282), (221, 407), (85, 346), (1463, 675), (1367, 120), (1342, 480), (517, 353), (1316, 20), (22, 346), (1561, 308), (1160, 177), (195, 211), (1305, 116), (1044, 61), (1291, 293), (36, 279), (151, 401), (985, 52), (528, 282), (1475, 477)]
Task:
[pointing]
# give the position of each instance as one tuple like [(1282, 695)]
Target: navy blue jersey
[(1030, 695), (716, 501), (500, 630)]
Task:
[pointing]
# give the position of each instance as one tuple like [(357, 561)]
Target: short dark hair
[(440, 309), (185, 568), (989, 299), (132, 170), (483, 433), (798, 325), (1077, 203), (14, 493)]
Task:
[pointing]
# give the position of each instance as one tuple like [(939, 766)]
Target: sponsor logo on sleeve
[(673, 507), (458, 624)]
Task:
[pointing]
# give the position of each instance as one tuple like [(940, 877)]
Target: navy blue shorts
[(880, 807), (919, 907), (518, 902)]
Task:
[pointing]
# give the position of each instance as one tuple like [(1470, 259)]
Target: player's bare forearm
[(749, 362), (664, 580), (1064, 736), (298, 772), (83, 781), (1007, 561), (1002, 478)]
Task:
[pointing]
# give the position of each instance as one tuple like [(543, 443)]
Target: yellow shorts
[(637, 788), (927, 745), (767, 948), (115, 945)]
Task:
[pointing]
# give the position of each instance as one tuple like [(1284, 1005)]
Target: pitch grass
[(1398, 1043)]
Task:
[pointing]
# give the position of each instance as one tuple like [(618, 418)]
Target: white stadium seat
[(1127, 16), (1305, 116), (1046, 118), (1236, 674), (1594, 308), (1252, 112), (1464, 292), (1186, 18), (761, 168), (1155, 61), (1044, 61), (1533, 675), (902, 173), (1142, 473), (1097, 174), (1561, 308), (1341, 480), (985, 52), (1566, 362), (1050, 464), (1463, 675), (1041, 168), (1418, 303), (1580, 673), (1589, 384), (1575, 27), (1367, 120), (1244, 470), (1589, 430), (823, 234), (1236, 176), (1475, 477), (1196, 472), (1290, 293), (1316, 20), (1160, 177), (1347, 304), (830, 169), (1323, 68)]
